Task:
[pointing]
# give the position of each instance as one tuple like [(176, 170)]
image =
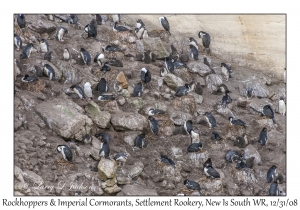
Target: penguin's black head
[(185, 181), (187, 85), (222, 64), (150, 118), (206, 113), (82, 49), (281, 97), (264, 129), (274, 167), (227, 91), (42, 40), (26, 76), (60, 147), (21, 15), (139, 21), (72, 87), (151, 109), (230, 118), (189, 121), (67, 49)]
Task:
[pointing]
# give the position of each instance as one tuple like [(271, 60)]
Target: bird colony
[(116, 104)]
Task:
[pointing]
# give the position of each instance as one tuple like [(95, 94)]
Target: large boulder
[(185, 104), (107, 169), (40, 26), (250, 151), (128, 121), (172, 81), (153, 44), (199, 68), (65, 117), (100, 118), (31, 177), (213, 81), (137, 190)]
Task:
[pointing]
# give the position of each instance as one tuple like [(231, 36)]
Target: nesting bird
[(191, 185), (241, 141), (210, 120), (169, 64), (78, 90), (205, 40), (102, 86), (210, 171), (26, 51), (44, 45), (268, 112), (140, 141), (49, 71), (106, 98), (193, 42), (105, 67), (145, 76), (226, 99), (271, 174), (182, 90), (236, 122), (281, 106), (28, 79), (138, 90), (110, 48), (99, 58), (153, 124), (240, 164), (165, 24), (48, 56), (195, 147), (21, 22), (164, 159), (223, 88), (215, 136), (121, 157), (17, 42), (120, 28), (249, 92), (232, 156), (73, 19), (88, 91), (66, 152), (61, 31), (91, 29), (152, 112), (194, 52), (226, 71), (85, 55), (274, 189), (263, 136)]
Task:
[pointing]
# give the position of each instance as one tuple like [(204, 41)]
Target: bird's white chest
[(44, 47)]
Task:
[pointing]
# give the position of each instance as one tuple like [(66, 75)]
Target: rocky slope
[(47, 114)]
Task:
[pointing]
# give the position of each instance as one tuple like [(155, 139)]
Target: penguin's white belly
[(281, 107)]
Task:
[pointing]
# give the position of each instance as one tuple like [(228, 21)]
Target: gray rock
[(250, 151), (123, 180), (65, 118), (198, 98), (32, 177), (213, 81), (260, 90), (31, 99), (136, 102), (96, 143), (18, 174), (198, 158), (128, 121), (130, 139), (155, 45), (232, 188), (107, 169), (199, 68), (121, 100), (137, 190), (179, 118), (100, 118), (112, 190), (211, 187), (185, 103), (41, 26), (172, 81), (136, 169), (244, 176)]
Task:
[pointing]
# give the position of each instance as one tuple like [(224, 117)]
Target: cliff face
[(253, 41)]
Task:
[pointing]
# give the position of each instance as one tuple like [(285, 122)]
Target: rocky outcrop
[(65, 117), (199, 68), (100, 118), (128, 121), (250, 151), (173, 81), (107, 169), (153, 44), (185, 104)]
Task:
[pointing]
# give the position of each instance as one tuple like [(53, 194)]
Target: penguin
[(193, 42), (268, 112), (271, 174), (205, 40), (120, 28), (210, 120), (78, 90), (152, 55), (240, 164), (67, 54), (170, 65), (215, 136), (164, 159), (145, 76), (21, 22), (236, 122), (49, 71), (211, 172), (146, 57), (207, 163), (139, 32), (205, 61), (17, 42), (195, 147), (44, 45), (105, 150), (28, 79), (163, 72), (223, 88), (110, 48), (48, 56), (39, 72), (182, 90), (99, 58), (116, 18), (153, 124), (86, 57), (178, 65), (232, 156), (152, 112), (250, 162), (274, 189), (138, 90), (249, 93), (198, 88), (226, 99), (26, 51), (73, 19), (194, 52), (191, 185), (66, 152), (139, 24), (281, 106), (121, 157), (279, 179), (116, 62), (104, 137), (145, 33), (174, 53), (91, 29), (241, 141), (263, 136), (88, 91), (61, 31), (140, 141), (102, 86), (106, 98), (165, 24), (105, 67), (98, 19), (188, 126), (87, 139), (226, 71)]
